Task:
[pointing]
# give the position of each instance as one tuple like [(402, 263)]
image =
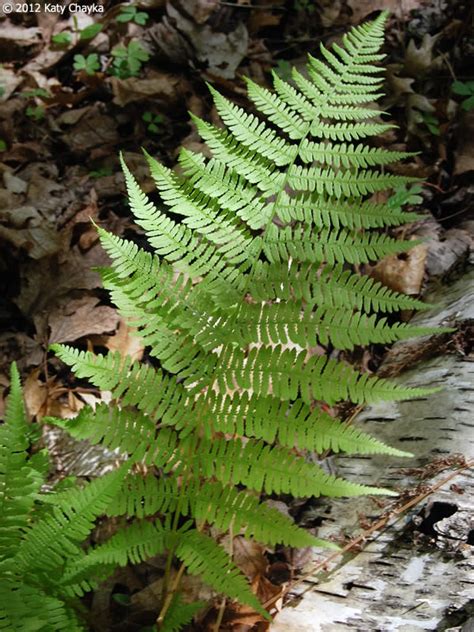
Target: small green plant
[(3, 145), (90, 31), (103, 172), (431, 122), (130, 13), (305, 5), (283, 69), (154, 122), (36, 112), (465, 89), (90, 64), (128, 60), (41, 93), (62, 39)]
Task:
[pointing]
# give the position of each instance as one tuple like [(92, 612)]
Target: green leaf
[(468, 104), (90, 31), (463, 88), (89, 64), (62, 39)]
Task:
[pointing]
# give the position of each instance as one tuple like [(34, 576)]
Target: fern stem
[(169, 597), (220, 614)]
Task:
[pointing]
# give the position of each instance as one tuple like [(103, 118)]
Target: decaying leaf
[(404, 272), (419, 59), (464, 156), (75, 318), (363, 8), (160, 87)]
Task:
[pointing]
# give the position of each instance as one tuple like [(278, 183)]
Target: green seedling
[(89, 64), (465, 89), (132, 14), (154, 122), (128, 60)]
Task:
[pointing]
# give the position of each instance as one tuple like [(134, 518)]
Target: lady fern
[(253, 273), (41, 535)]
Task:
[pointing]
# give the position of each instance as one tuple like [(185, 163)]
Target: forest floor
[(78, 87)]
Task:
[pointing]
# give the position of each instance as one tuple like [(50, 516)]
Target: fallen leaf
[(126, 341), (403, 272), (249, 557), (419, 59), (9, 80), (27, 228), (76, 318), (464, 155), (92, 128), (400, 8), (43, 282), (160, 87), (35, 394)]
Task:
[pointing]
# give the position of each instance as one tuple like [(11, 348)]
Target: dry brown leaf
[(464, 155), (9, 81), (249, 557), (404, 272), (80, 317), (400, 8), (27, 229), (242, 618), (35, 394), (126, 341), (161, 87), (419, 59)]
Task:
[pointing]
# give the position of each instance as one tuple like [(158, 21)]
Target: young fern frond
[(232, 301), (19, 480), (42, 534), (180, 614)]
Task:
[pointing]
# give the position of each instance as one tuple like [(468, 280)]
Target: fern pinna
[(230, 301)]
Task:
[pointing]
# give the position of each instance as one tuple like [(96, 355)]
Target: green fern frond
[(342, 183), (347, 156), (288, 374), (229, 302), (283, 323), (142, 496), (19, 480), (27, 608), (202, 556), (247, 163), (333, 286), (155, 393), (223, 506), (290, 425), (180, 614), (224, 185), (261, 467), (127, 430), (312, 209), (201, 214), (177, 243), (304, 244), (253, 133), (50, 542)]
